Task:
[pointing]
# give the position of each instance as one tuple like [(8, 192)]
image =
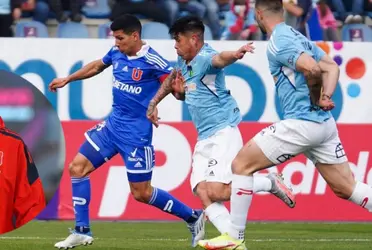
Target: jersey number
[(137, 74), (1, 157)]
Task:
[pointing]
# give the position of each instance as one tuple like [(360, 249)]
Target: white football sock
[(241, 198), (219, 216), (261, 184), (362, 195)]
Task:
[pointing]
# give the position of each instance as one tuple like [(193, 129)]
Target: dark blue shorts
[(100, 146)]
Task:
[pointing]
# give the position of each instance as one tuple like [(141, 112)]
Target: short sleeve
[(318, 53), (205, 59), (286, 51), (161, 67), (107, 59)]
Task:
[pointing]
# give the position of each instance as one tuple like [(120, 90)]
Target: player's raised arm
[(89, 70), (226, 58)]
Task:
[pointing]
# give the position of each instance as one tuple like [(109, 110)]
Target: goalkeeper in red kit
[(21, 192)]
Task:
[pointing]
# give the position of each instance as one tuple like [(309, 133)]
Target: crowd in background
[(227, 19)]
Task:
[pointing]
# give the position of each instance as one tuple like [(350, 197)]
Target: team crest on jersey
[(137, 74), (1, 157)]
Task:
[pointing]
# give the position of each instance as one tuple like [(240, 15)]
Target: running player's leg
[(216, 155), (92, 154), (332, 163), (273, 145), (140, 162), (216, 212), (212, 162), (227, 144)]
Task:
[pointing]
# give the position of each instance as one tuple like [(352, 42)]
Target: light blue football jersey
[(210, 104), (284, 48)]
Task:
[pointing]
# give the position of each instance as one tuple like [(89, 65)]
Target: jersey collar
[(205, 45), (278, 25), (142, 52), (2, 124)]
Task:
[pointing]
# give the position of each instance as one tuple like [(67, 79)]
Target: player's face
[(125, 42), (184, 46), (259, 19)]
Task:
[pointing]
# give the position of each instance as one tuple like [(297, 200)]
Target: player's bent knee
[(141, 193), (241, 167), (143, 197), (78, 170)]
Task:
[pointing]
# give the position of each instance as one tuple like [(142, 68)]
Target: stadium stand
[(96, 15), (31, 29), (72, 30)]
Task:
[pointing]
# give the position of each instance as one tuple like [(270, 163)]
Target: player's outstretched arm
[(226, 58), (89, 70)]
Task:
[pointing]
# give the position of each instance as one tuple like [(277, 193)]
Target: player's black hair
[(187, 24), (274, 6), (127, 23)]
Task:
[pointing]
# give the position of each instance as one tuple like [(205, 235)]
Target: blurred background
[(329, 20), (64, 35), (28, 112)]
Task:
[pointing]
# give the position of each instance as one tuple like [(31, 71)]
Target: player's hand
[(326, 103), (178, 84), (248, 48), (58, 83), (152, 114)]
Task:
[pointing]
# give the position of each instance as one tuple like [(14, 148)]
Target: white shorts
[(213, 156), (286, 139)]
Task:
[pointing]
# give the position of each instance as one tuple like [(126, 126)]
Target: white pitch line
[(178, 240)]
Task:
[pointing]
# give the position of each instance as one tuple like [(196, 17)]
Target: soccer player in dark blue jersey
[(138, 71)]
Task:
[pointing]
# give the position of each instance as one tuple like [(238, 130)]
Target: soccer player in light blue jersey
[(305, 79), (138, 71), (215, 115)]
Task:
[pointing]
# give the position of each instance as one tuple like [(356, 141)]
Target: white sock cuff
[(242, 181), (216, 209), (359, 192)]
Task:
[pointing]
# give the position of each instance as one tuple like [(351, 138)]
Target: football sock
[(166, 202), (219, 216), (261, 184), (80, 201), (241, 198), (362, 195)]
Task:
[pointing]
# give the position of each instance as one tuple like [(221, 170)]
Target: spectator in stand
[(240, 23), (174, 7), (38, 9), (10, 11), (296, 13), (327, 22), (171, 8), (59, 6), (212, 15), (357, 11), (150, 9)]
